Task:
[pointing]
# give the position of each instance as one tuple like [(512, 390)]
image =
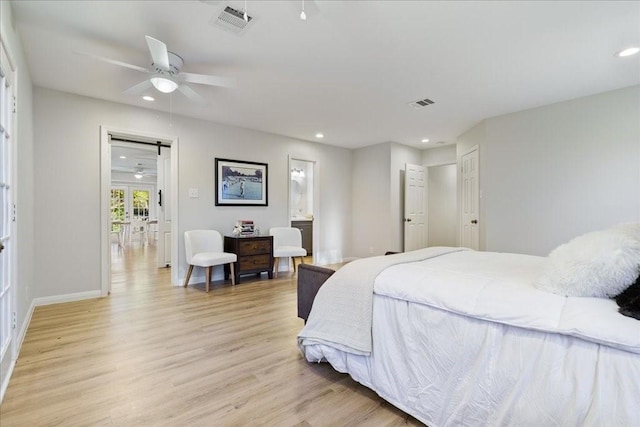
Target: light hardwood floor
[(154, 354)]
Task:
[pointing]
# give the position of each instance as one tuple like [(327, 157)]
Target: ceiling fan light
[(303, 16), (164, 84), (138, 175), (628, 51)]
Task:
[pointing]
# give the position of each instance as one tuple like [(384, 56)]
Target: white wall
[(442, 209), (378, 197), (67, 158), (24, 182), (551, 173), (370, 233), (439, 156)]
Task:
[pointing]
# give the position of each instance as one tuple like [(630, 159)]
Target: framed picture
[(240, 183)]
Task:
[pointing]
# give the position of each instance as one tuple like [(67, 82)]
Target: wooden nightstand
[(255, 255)]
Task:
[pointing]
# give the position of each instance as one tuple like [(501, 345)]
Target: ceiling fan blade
[(113, 61), (191, 94), (139, 88), (159, 53), (205, 79)]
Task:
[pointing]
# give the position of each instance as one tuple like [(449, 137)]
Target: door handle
[(159, 197), (474, 221), (407, 220)]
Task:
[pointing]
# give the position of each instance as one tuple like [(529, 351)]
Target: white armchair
[(204, 249), (287, 243)]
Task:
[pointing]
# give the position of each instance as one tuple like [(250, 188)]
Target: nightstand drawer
[(254, 247), (254, 261)]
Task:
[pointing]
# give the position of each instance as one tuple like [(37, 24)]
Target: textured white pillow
[(631, 229), (597, 264)]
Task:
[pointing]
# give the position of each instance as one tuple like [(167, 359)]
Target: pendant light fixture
[(303, 15)]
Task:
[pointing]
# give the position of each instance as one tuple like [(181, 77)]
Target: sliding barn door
[(164, 208)]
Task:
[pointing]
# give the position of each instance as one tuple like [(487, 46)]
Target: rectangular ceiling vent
[(232, 20), (421, 103)]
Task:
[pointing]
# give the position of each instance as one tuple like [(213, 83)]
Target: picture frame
[(241, 183)]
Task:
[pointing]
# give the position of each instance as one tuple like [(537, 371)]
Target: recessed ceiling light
[(123, 157), (148, 98), (319, 135), (628, 51), (425, 140)]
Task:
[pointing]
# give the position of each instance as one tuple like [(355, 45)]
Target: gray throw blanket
[(342, 309)]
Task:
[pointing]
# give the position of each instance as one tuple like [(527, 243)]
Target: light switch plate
[(193, 193)]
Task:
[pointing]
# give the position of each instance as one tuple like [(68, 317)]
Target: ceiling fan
[(165, 73)]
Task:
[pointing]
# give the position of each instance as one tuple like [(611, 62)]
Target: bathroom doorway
[(302, 202)]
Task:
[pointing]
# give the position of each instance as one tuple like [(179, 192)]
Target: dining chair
[(139, 228), (287, 243), (204, 249)]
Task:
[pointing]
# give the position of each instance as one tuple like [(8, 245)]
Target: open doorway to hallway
[(134, 206), (138, 213)]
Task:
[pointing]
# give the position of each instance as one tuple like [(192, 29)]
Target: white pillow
[(631, 229), (598, 264)]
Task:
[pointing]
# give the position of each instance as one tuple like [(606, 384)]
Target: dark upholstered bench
[(310, 279)]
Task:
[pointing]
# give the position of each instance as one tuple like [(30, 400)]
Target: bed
[(456, 337)]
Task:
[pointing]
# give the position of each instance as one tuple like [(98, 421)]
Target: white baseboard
[(5, 380), (27, 320), (66, 298), (18, 346)]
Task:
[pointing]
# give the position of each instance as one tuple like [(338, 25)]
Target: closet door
[(8, 331)]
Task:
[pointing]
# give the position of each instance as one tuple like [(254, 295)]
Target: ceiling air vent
[(232, 20), (421, 103)]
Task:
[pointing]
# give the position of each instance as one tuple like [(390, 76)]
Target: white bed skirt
[(453, 370)]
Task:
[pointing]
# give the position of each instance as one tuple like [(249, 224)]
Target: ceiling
[(348, 71), (130, 159)]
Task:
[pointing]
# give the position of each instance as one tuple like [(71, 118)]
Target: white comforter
[(497, 287), (341, 312), (477, 345)]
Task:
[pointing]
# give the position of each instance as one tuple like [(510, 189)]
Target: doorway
[(134, 175), (303, 202), (131, 197)]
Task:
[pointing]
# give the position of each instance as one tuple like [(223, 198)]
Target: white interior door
[(164, 208), (415, 233), (470, 233)]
